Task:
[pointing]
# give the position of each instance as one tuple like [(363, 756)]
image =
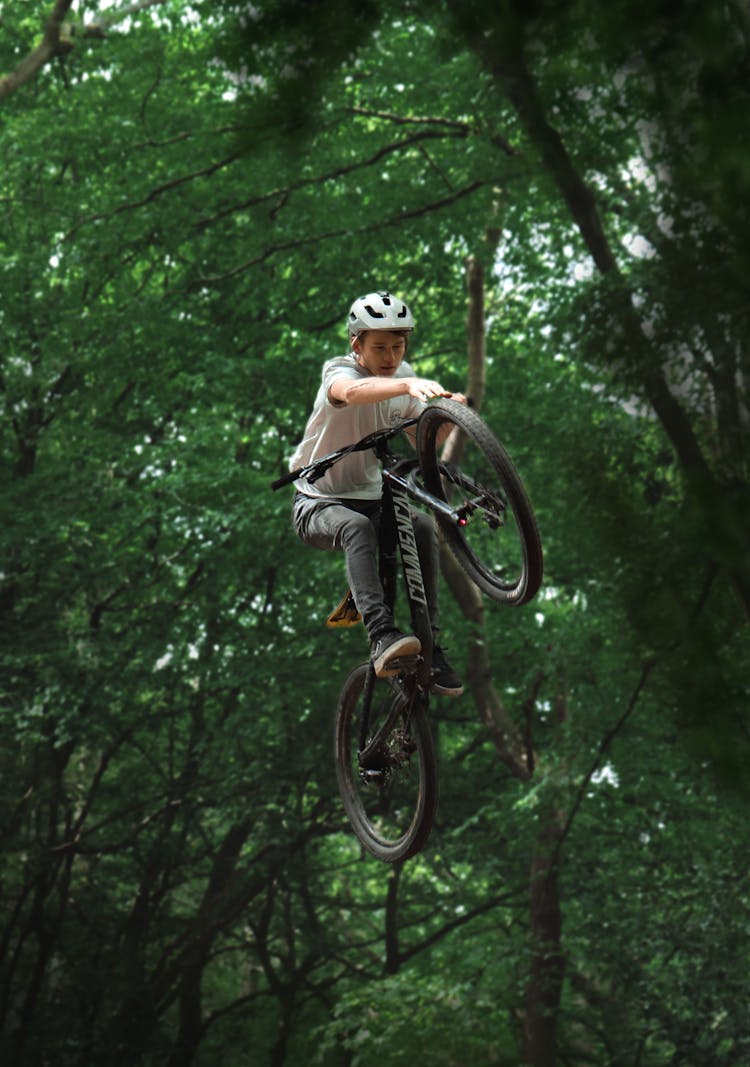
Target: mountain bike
[(385, 758)]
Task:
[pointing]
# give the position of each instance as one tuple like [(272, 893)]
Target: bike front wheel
[(390, 796), (493, 532)]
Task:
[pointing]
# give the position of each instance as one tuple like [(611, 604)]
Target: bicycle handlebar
[(312, 471)]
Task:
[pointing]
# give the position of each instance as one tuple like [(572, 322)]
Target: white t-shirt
[(332, 426)]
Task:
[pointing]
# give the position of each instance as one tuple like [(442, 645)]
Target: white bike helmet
[(379, 311)]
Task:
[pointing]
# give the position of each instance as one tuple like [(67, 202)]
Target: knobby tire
[(499, 547), (392, 818)]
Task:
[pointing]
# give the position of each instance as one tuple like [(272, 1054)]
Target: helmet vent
[(381, 311)]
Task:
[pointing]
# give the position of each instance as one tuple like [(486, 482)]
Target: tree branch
[(604, 746), (113, 17), (280, 195), (436, 120), (39, 56), (456, 924), (333, 175), (284, 246), (54, 41)]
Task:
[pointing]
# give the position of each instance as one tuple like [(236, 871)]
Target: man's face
[(380, 352)]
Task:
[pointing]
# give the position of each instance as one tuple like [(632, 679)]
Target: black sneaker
[(393, 651), (445, 681)]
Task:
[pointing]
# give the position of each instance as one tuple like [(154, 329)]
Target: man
[(372, 388)]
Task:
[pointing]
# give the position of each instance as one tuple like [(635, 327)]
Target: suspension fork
[(402, 704)]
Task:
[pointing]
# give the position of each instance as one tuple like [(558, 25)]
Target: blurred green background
[(191, 195)]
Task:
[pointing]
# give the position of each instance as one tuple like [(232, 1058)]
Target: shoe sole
[(444, 691), (400, 656)]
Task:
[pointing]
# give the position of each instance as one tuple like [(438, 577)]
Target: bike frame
[(395, 537)]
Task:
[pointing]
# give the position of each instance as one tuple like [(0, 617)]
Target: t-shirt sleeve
[(333, 372), (415, 408)]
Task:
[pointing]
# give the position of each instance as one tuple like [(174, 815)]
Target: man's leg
[(331, 525)]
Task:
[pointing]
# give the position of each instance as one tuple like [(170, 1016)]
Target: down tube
[(415, 592)]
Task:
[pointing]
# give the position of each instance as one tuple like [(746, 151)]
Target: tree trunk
[(500, 45), (277, 1055), (542, 998), (542, 1001), (505, 735), (392, 958)]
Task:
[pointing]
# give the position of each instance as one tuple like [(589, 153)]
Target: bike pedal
[(373, 776)]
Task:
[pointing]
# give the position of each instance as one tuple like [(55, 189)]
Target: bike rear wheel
[(496, 539), (391, 802)]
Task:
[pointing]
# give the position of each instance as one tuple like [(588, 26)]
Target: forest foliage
[(192, 193)]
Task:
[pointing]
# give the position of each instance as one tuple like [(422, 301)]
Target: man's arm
[(372, 390)]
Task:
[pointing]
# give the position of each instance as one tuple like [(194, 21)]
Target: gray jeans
[(352, 526)]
